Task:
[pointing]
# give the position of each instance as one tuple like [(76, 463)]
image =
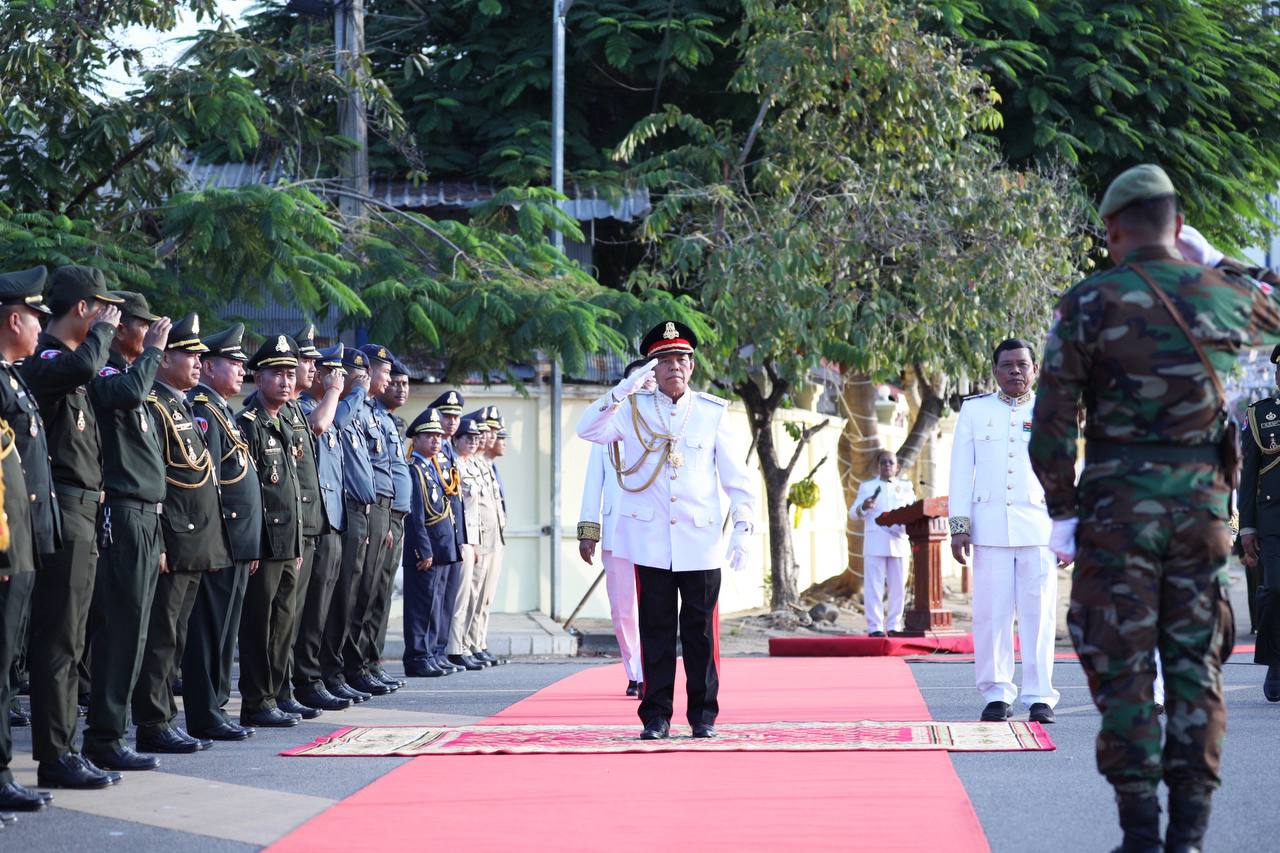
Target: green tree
[(1105, 85), (861, 219)]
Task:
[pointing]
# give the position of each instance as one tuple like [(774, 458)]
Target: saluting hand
[(158, 335), (333, 380), (109, 314), (635, 381)]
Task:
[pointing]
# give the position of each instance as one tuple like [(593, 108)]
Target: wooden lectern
[(926, 523)]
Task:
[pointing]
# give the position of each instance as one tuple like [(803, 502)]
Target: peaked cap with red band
[(668, 337)]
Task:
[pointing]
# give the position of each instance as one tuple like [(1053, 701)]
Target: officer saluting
[(21, 305), (69, 353), (1260, 525), (195, 540), (669, 519), (129, 539), (209, 653)]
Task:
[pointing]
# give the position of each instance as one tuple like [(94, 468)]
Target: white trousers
[(620, 584), (477, 638), (1008, 581), (460, 622), (876, 573)]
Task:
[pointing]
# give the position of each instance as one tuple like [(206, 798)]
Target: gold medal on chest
[(333, 441), (13, 383), (80, 421), (676, 458), (34, 429), (275, 475), (271, 442)]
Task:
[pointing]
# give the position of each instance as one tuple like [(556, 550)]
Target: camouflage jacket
[(1116, 353)]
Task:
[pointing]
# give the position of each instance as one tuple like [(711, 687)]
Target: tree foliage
[(862, 219), (1104, 85)]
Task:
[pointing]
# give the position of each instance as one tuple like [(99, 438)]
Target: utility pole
[(559, 9), (348, 39)]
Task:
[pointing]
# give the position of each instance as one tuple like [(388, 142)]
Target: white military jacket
[(994, 495), (879, 541), (674, 519), (600, 493)]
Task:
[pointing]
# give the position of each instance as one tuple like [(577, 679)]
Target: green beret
[(1131, 186)]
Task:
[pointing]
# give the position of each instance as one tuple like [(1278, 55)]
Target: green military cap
[(229, 343), (134, 305), (24, 287), (305, 338), (1131, 186), (185, 335), (73, 282), (427, 423), (280, 351)]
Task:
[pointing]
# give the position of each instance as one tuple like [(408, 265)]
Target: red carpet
[(732, 801), (860, 645)]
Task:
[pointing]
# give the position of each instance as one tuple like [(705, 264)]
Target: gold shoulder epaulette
[(200, 398), (152, 397), (249, 415), (719, 401)]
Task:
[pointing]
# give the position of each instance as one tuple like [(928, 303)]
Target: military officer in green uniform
[(129, 538), (21, 304), (1141, 347), (1260, 525), (266, 626), (195, 540), (68, 355), (313, 522), (209, 654)]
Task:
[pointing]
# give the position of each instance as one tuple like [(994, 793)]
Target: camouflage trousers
[(1142, 585)]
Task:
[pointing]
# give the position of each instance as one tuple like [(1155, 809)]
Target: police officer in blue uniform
[(449, 404)]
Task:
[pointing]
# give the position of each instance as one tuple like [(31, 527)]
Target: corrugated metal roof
[(584, 204)]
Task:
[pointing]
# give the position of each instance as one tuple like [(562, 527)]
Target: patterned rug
[(748, 737)]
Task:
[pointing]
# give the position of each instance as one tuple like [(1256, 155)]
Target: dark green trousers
[(315, 610), (363, 616), (59, 614), (355, 542), (18, 669), (375, 641), (301, 589), (153, 702), (210, 651), (266, 633), (128, 566), (15, 595)]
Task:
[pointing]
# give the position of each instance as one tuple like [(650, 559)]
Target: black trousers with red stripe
[(689, 600)]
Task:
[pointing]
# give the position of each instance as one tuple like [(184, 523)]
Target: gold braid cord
[(451, 484), (236, 445), (1252, 415), (432, 517), (200, 463), (7, 444), (652, 442)]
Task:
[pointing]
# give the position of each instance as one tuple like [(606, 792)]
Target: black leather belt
[(356, 504), (398, 514), (132, 503), (1163, 454), (76, 493), (385, 502)]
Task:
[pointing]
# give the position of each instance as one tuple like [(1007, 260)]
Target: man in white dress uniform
[(678, 461), (998, 511), (884, 549), (596, 522)]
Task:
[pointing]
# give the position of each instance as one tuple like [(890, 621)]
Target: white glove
[(634, 382), (737, 555), (1062, 539)]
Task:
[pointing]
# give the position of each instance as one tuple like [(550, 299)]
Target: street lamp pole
[(559, 8)]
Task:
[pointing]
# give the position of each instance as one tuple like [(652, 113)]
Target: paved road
[(238, 797)]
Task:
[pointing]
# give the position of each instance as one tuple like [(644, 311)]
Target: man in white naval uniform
[(997, 508), (884, 549), (596, 522), (679, 460)]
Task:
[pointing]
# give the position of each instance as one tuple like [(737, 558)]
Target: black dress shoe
[(71, 771), (322, 699), (656, 730), (877, 634), (18, 718), (447, 666), (704, 730), (345, 691), (387, 679), (633, 688), (113, 776), (14, 797), (47, 796), (268, 718), (422, 670), (1271, 684), (203, 743), (996, 712), (119, 758), (223, 731), (292, 706), (165, 739), (368, 684), (493, 659), (1041, 713), (467, 663)]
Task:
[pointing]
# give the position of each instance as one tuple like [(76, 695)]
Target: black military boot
[(1139, 818), (1188, 818)]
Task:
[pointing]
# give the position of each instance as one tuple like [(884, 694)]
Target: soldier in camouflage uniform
[(1152, 502)]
